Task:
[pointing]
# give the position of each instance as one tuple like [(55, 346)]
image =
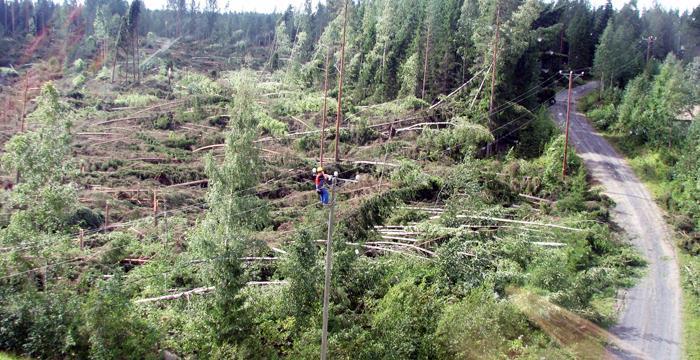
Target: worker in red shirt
[(320, 182)]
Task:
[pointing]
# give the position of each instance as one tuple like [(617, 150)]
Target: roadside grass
[(690, 280), (653, 172), (7, 356)]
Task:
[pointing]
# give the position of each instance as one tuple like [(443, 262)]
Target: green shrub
[(86, 219), (604, 117), (179, 141), (104, 74), (552, 161), (78, 65), (198, 84), (271, 126), (533, 139), (41, 325), (116, 331), (307, 142), (457, 142), (409, 174), (294, 104), (164, 122), (479, 327), (78, 81), (406, 318), (135, 100)]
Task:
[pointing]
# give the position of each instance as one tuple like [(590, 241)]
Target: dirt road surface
[(650, 317)]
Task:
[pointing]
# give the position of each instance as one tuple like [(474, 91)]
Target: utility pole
[(325, 109), (566, 132), (650, 42), (329, 264), (339, 114), (155, 208), (494, 69), (24, 100), (425, 62), (106, 223)]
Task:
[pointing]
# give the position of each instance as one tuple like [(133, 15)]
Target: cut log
[(203, 290), (197, 291), (420, 125), (398, 238), (535, 198), (548, 244), (189, 183), (402, 245), (518, 222), (209, 147)]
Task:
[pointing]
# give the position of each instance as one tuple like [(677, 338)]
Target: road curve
[(650, 320)]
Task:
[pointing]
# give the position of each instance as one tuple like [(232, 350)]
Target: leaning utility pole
[(329, 263), (493, 72), (339, 114), (566, 131), (325, 109)]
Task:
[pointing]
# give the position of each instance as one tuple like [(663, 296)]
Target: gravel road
[(650, 312)]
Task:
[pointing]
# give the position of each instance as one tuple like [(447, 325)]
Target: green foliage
[(115, 329), (553, 159), (179, 141), (409, 174), (604, 117), (78, 65), (41, 157), (197, 84), (459, 141), (135, 99), (41, 325), (79, 81), (479, 326), (406, 318), (533, 139), (297, 103), (303, 272), (271, 126), (104, 74), (650, 104)]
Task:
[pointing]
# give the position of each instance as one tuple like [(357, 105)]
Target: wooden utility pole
[(425, 62), (155, 208), (24, 100), (650, 42), (116, 49), (324, 114), (339, 114), (329, 264), (566, 136), (494, 69), (106, 224)]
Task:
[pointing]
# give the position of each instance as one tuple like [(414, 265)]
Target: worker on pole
[(321, 188)]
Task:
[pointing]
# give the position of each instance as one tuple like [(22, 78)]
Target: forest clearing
[(162, 193)]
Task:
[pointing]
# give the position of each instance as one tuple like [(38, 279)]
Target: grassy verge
[(690, 278), (653, 172), (6, 356)]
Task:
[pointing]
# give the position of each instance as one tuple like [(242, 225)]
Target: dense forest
[(158, 197)]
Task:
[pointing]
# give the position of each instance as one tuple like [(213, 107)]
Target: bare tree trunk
[(116, 50), (136, 53), (425, 63)]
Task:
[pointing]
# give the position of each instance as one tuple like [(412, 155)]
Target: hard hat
[(319, 169), (313, 170)]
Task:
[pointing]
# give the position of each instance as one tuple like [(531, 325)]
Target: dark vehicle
[(547, 96)]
